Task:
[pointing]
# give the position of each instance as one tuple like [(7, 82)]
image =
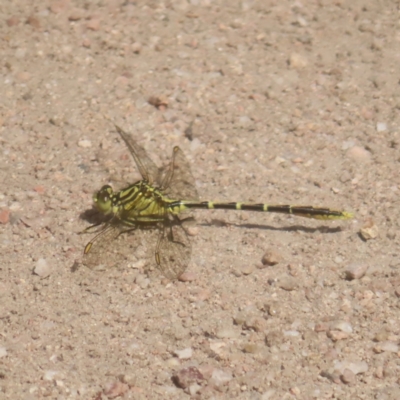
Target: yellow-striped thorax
[(139, 202)]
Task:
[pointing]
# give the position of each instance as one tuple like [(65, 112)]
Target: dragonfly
[(155, 204)]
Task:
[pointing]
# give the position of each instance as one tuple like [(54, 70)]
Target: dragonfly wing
[(113, 246), (178, 181), (173, 249), (147, 168)]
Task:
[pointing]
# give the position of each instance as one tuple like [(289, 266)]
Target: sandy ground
[(271, 101)]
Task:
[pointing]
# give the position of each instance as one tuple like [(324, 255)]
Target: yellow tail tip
[(347, 215)]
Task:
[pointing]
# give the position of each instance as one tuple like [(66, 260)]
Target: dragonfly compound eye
[(102, 199)]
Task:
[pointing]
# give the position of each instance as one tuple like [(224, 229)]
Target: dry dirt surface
[(282, 102)]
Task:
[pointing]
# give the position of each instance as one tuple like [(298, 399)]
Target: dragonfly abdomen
[(301, 211)]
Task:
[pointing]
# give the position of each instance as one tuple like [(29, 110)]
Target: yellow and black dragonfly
[(154, 203)]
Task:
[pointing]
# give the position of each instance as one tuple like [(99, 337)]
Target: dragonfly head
[(102, 199)]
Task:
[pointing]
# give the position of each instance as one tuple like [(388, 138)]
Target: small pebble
[(12, 21), (268, 394), (356, 367), (355, 271), (337, 335), (3, 351), (288, 284), (379, 372), (387, 346), (273, 309), (33, 22), (227, 333), (42, 268), (4, 216), (187, 377), (58, 6), (251, 348), (381, 127), (342, 326), (160, 102), (203, 294), (244, 122), (256, 324), (369, 230), (49, 375), (136, 47), (346, 306), (274, 338), (192, 230), (271, 258), (247, 269), (187, 277), (333, 377), (115, 389), (348, 376), (93, 24), (184, 354), (297, 61), (321, 327), (217, 347), (142, 282), (85, 143), (220, 377), (173, 362), (140, 264), (291, 333), (194, 389), (76, 14), (390, 370), (359, 154), (381, 336), (391, 234)]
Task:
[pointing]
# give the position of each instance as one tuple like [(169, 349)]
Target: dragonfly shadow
[(94, 217), (291, 228)]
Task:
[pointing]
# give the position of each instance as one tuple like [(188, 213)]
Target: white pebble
[(381, 127), (42, 269), (3, 351), (173, 362), (297, 61), (356, 271), (217, 346), (342, 326), (85, 143), (291, 333), (355, 367), (49, 375), (359, 154), (220, 377), (195, 144), (193, 389), (388, 346), (140, 264), (269, 394), (184, 354), (227, 333)]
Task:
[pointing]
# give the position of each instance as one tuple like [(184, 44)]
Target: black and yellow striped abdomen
[(300, 211)]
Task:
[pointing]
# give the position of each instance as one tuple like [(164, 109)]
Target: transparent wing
[(173, 249), (147, 168), (178, 181), (113, 246)]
